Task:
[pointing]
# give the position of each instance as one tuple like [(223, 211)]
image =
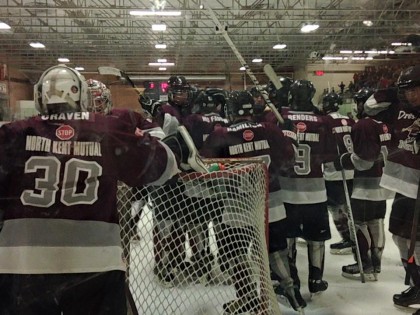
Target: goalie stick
[(220, 28)]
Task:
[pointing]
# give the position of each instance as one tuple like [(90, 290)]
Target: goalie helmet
[(331, 102), (409, 78), (179, 91), (302, 92), (100, 97), (61, 89), (240, 104)]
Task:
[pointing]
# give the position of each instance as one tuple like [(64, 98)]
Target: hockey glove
[(343, 162), (185, 151)]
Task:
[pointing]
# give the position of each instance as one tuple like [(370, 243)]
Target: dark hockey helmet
[(360, 97), (179, 91), (204, 103), (409, 78), (302, 92), (149, 105), (240, 104), (331, 102), (259, 101)]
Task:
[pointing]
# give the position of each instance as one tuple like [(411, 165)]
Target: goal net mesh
[(199, 242)]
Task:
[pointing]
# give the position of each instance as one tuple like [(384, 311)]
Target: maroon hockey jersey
[(305, 185), (370, 139), (402, 169), (201, 125), (58, 182)]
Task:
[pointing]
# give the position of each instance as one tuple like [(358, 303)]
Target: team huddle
[(59, 173)]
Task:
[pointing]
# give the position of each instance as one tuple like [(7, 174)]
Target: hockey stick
[(413, 237), (271, 74), (119, 73), (352, 226), (220, 28)]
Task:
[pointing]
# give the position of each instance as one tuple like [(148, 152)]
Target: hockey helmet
[(204, 103), (61, 89), (240, 104), (178, 91), (409, 78), (302, 92), (331, 102), (360, 97)]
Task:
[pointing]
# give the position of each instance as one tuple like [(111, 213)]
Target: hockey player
[(303, 189), (402, 175), (58, 183), (278, 153), (336, 201), (262, 112), (370, 135)]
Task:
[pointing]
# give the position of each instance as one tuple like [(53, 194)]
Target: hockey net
[(199, 242)]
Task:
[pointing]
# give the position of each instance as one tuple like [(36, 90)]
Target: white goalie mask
[(61, 86), (99, 97)]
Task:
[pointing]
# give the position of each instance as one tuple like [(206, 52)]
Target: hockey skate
[(341, 248), (317, 286), (408, 300), (293, 297), (246, 304), (353, 272)]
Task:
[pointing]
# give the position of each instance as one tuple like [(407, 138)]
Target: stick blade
[(110, 70), (271, 74)]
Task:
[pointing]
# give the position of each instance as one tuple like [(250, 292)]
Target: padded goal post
[(200, 241)]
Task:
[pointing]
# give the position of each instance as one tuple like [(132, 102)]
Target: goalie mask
[(100, 97), (61, 89), (259, 102), (178, 91), (302, 92), (331, 102), (240, 104)]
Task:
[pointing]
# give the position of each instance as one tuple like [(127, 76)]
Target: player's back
[(316, 146), (58, 185)]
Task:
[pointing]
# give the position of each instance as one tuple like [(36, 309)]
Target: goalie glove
[(185, 151)]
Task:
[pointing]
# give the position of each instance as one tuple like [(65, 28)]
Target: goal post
[(199, 242)]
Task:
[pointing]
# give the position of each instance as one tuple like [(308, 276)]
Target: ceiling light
[(62, 59), (257, 60), (368, 22), (37, 45), (401, 44), (242, 68), (279, 46), (346, 51), (158, 64), (162, 68), (332, 58), (160, 46), (162, 60), (79, 68), (159, 27), (154, 13), (4, 26), (307, 28), (358, 51), (371, 52)]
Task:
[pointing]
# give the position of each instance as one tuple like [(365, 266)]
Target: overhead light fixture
[(307, 28), (401, 44), (155, 13), (332, 58), (375, 52), (37, 45), (159, 27), (160, 46), (279, 46), (242, 68), (159, 64), (79, 68), (358, 51), (63, 59), (4, 26), (368, 22), (162, 68), (257, 60), (162, 60), (346, 51)]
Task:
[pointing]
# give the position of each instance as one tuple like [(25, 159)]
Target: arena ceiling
[(92, 33)]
